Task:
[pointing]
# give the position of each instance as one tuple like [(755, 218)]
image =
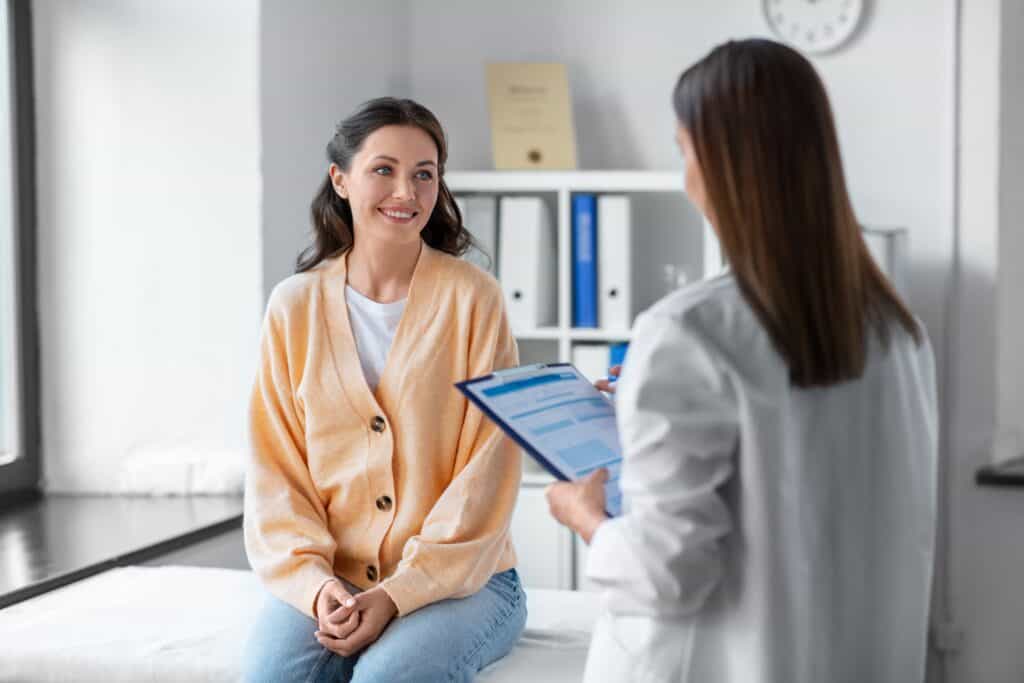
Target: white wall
[(319, 59), (149, 242), (892, 91)]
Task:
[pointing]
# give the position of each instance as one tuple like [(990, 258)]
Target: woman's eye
[(382, 170), (425, 175)]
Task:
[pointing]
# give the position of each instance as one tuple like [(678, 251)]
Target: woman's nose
[(404, 189)]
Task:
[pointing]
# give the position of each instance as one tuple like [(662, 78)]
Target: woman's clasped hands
[(346, 623)]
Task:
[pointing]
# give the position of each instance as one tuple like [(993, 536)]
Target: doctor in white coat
[(778, 422)]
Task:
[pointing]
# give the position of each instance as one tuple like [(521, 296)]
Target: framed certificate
[(558, 417), (531, 116)]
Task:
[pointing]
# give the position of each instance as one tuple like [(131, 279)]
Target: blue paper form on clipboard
[(558, 417)]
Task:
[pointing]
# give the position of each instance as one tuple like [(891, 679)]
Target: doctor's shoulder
[(704, 305), (715, 314)]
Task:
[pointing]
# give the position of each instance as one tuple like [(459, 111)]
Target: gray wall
[(319, 59)]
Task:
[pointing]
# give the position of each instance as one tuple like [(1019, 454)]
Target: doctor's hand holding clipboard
[(580, 505), (564, 423)]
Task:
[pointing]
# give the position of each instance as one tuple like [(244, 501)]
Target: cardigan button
[(371, 573), (378, 424), (384, 503)]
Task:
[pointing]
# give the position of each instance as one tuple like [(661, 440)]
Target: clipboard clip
[(510, 374)]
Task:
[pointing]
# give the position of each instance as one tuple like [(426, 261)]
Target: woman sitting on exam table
[(778, 422), (375, 497)]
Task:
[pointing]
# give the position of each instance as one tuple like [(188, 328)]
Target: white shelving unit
[(665, 226), (549, 555), (561, 185)]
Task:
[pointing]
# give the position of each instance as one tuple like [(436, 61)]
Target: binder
[(713, 260), (480, 216), (889, 248), (614, 262), (591, 360), (526, 261), (584, 260), (617, 353)]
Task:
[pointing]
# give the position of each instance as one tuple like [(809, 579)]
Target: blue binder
[(584, 260), (617, 353)]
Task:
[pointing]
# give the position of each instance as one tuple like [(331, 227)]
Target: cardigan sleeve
[(466, 532), (286, 534)]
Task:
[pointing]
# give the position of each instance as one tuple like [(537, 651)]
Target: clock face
[(814, 26)]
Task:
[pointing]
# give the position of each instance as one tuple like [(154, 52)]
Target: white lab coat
[(772, 534)]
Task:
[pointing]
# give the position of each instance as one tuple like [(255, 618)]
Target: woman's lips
[(398, 215)]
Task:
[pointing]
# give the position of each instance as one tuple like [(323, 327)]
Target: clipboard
[(558, 417)]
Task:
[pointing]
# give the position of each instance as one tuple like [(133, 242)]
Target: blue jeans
[(450, 640)]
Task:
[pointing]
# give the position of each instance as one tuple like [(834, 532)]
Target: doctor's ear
[(337, 181)]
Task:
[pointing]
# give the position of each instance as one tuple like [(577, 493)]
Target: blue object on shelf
[(617, 354), (584, 260)]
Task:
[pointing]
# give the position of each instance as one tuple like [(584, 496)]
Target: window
[(10, 415), (19, 458)]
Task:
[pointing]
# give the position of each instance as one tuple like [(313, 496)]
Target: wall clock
[(814, 26)]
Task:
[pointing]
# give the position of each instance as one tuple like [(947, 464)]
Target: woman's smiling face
[(392, 183)]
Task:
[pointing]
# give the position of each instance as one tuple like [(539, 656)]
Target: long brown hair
[(331, 215), (765, 140)]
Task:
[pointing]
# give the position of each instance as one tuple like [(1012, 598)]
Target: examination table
[(179, 624)]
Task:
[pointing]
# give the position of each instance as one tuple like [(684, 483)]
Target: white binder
[(614, 263), (593, 360), (888, 246), (712, 251), (526, 262), (480, 216)]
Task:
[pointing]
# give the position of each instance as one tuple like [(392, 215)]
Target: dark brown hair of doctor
[(763, 133), (333, 232)]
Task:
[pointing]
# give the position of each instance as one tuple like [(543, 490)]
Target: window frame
[(20, 478)]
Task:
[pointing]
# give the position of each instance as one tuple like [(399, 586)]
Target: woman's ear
[(338, 181)]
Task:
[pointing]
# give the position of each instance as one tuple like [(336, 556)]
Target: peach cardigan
[(408, 487)]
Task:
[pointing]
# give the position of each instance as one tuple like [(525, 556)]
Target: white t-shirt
[(373, 325)]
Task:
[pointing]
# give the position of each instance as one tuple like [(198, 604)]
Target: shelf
[(538, 333), (573, 181), (1003, 477), (575, 334), (665, 231), (583, 334)]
